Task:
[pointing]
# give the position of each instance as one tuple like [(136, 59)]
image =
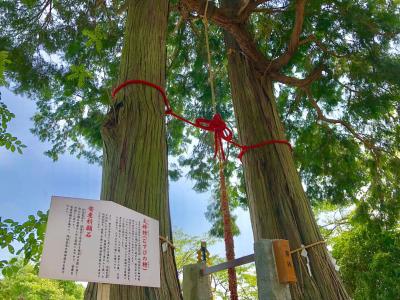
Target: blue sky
[(28, 181)]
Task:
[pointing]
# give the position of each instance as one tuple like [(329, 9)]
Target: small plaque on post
[(284, 262)]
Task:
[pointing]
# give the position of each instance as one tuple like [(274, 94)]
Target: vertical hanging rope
[(210, 70), (228, 234), (224, 201)]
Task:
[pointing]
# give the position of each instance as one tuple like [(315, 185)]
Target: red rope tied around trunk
[(216, 124), (144, 82)]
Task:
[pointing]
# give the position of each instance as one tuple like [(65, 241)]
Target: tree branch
[(232, 25), (270, 10), (294, 38), (320, 115), (249, 7), (37, 17), (301, 83), (313, 38), (237, 29)]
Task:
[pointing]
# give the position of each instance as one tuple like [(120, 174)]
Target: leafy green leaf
[(3, 63), (11, 249), (95, 37), (80, 74)]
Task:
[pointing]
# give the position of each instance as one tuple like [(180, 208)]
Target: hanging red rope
[(228, 234), (216, 124)]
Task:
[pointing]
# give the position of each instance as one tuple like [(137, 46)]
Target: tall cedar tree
[(135, 148), (133, 130), (278, 204), (279, 208)]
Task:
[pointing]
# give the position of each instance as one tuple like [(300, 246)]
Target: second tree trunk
[(279, 208)]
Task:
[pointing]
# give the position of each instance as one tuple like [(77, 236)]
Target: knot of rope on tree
[(216, 124), (220, 129)]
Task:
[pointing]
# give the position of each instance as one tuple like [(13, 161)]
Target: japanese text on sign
[(100, 241)]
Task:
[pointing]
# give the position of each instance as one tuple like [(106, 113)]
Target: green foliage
[(366, 246), (214, 215), (28, 236), (359, 87), (95, 37), (23, 283), (246, 279), (369, 260), (65, 56), (7, 140), (79, 74), (3, 62), (186, 247)]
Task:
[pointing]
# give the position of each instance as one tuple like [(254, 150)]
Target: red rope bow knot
[(220, 129)]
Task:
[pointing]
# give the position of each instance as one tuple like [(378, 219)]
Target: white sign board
[(100, 241)]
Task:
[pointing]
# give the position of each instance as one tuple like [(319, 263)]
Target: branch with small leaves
[(30, 234), (235, 25), (313, 38), (298, 82), (42, 8), (321, 116), (7, 140), (294, 41), (4, 61)]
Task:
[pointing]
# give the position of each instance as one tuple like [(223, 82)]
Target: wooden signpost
[(274, 269)]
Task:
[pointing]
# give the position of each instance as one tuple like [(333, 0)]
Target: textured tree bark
[(135, 150), (279, 208)]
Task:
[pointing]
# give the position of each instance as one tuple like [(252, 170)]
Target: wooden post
[(267, 276), (195, 285), (103, 291)]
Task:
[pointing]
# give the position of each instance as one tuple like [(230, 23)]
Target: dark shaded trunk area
[(135, 149)]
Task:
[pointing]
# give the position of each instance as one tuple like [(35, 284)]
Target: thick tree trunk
[(278, 205), (135, 150)]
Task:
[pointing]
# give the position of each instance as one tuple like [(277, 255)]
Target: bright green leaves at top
[(79, 74), (3, 62), (95, 37)]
